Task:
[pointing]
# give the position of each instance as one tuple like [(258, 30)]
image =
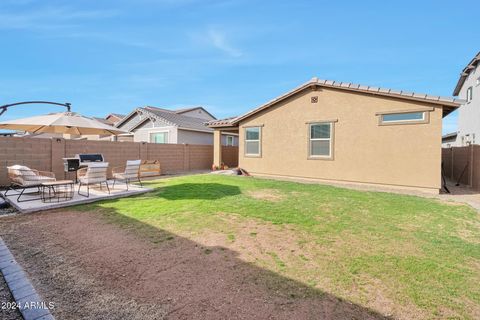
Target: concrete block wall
[(201, 156), (462, 164), (34, 153), (171, 156), (47, 154), (230, 156)]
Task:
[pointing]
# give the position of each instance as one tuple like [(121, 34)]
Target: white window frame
[(259, 154), (150, 133), (424, 120), (405, 120), (469, 94), (233, 141), (330, 140)]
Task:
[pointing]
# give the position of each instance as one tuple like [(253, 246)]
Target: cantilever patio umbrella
[(62, 122)]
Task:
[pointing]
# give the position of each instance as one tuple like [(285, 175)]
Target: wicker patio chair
[(95, 173), (127, 173), (23, 178)]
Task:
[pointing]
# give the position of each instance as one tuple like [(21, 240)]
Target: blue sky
[(229, 56)]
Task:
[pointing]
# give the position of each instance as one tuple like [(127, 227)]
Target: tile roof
[(118, 115), (194, 108), (449, 103), (221, 122), (179, 120), (465, 72), (102, 120)]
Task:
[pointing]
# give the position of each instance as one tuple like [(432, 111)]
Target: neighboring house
[(449, 140), (468, 89), (337, 131), (113, 118), (158, 125)]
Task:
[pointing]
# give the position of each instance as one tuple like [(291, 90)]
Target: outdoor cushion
[(24, 176), (21, 170)]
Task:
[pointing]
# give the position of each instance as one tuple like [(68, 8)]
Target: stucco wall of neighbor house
[(198, 113), (224, 139), (143, 134), (469, 113), (407, 155), (194, 137)]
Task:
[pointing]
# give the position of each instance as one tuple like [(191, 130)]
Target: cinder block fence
[(47, 154)]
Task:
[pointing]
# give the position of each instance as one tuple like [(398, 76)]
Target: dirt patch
[(94, 269), (303, 258), (267, 195)]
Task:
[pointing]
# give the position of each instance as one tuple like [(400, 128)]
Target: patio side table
[(57, 191)]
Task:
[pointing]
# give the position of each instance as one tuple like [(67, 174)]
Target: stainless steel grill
[(81, 160)]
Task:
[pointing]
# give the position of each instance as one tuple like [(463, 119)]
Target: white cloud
[(219, 40)]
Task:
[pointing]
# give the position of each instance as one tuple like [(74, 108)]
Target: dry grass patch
[(272, 195)]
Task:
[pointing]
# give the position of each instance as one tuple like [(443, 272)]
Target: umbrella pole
[(4, 108)]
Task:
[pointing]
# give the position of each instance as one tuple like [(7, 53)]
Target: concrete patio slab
[(96, 194)]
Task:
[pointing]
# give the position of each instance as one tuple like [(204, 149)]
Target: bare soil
[(92, 268)]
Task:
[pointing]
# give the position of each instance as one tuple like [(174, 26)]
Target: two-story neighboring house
[(159, 125), (468, 89)]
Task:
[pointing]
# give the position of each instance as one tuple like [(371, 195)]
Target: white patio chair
[(23, 178), (127, 173), (95, 173)]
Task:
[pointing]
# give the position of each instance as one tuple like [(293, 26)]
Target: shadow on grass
[(197, 281), (204, 191)]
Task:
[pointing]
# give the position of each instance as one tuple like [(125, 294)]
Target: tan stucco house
[(343, 132)]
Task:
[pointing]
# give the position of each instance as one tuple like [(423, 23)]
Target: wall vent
[(314, 99)]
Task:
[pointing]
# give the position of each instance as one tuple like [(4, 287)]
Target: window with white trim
[(230, 140), (252, 141), (159, 137), (469, 94), (320, 140), (403, 117)]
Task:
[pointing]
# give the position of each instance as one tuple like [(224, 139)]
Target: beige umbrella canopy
[(63, 122)]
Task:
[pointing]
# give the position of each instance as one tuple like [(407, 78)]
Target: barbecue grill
[(81, 161)]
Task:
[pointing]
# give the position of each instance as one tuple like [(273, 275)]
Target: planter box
[(150, 168)]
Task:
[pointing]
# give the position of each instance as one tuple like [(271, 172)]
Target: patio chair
[(95, 173), (127, 173), (23, 178)]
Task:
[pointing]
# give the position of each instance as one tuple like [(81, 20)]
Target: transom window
[(320, 140), (403, 117), (252, 141), (159, 137)]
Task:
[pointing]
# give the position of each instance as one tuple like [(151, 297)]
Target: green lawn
[(393, 253)]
